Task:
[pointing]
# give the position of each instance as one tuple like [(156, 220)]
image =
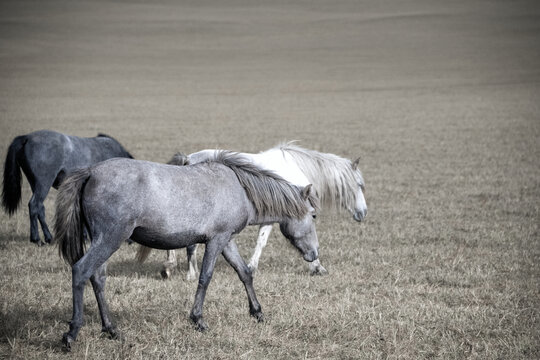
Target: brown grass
[(440, 100)]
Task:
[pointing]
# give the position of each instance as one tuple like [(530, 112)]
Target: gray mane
[(333, 177), (271, 195), (126, 153)]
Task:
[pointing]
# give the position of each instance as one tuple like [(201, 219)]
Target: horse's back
[(281, 163), (50, 153), (158, 196)]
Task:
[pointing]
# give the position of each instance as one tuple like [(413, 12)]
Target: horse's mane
[(102, 135), (333, 177), (270, 194)]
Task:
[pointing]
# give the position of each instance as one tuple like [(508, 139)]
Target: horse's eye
[(314, 216)]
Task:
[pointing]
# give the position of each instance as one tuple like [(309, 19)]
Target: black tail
[(68, 224), (11, 193)]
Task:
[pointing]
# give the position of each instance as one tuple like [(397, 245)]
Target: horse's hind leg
[(192, 262), (170, 265), (82, 270), (264, 233), (233, 257), (98, 284), (36, 209)]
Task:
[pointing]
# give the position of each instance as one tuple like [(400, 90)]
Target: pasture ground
[(440, 99)]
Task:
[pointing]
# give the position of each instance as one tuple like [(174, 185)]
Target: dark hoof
[(165, 273), (66, 342), (49, 240), (259, 316), (200, 325), (111, 333)]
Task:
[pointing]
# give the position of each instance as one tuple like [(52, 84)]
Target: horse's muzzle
[(360, 215), (311, 255)]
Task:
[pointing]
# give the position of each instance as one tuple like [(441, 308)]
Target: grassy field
[(440, 100)]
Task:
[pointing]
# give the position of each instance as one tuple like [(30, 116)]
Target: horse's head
[(360, 207), (301, 232)]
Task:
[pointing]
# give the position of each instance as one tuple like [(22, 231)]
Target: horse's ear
[(355, 164), (306, 192)]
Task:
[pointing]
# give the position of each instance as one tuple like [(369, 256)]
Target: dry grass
[(441, 102)]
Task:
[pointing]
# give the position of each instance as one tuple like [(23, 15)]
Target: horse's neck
[(262, 220)]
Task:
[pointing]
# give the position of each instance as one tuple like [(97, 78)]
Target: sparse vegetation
[(443, 111)]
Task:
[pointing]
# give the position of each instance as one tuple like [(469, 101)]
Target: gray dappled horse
[(46, 157), (169, 207)]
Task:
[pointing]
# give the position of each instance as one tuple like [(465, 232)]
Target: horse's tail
[(68, 224), (11, 192)]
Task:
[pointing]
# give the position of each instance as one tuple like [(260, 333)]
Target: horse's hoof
[(165, 274), (319, 271), (200, 325), (259, 316), (111, 333), (66, 342)]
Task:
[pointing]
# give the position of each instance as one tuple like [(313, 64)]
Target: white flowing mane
[(333, 177)]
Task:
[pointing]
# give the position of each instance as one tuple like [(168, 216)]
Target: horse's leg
[(233, 257), (169, 265), (82, 270), (192, 262), (213, 248), (98, 284), (264, 233), (315, 268), (36, 209)]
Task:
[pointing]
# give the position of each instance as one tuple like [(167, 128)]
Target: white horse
[(337, 182)]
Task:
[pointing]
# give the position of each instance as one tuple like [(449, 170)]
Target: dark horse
[(169, 207), (46, 157)]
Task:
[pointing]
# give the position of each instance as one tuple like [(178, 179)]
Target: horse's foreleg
[(213, 248), (98, 284), (315, 268), (192, 262), (233, 257), (170, 265), (264, 233)]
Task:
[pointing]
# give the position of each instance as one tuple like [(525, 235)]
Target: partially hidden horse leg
[(193, 270), (81, 271), (98, 284), (233, 257), (170, 265), (315, 268), (36, 209), (213, 248), (264, 233)]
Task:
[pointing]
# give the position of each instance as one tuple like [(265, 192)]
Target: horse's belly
[(166, 241)]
